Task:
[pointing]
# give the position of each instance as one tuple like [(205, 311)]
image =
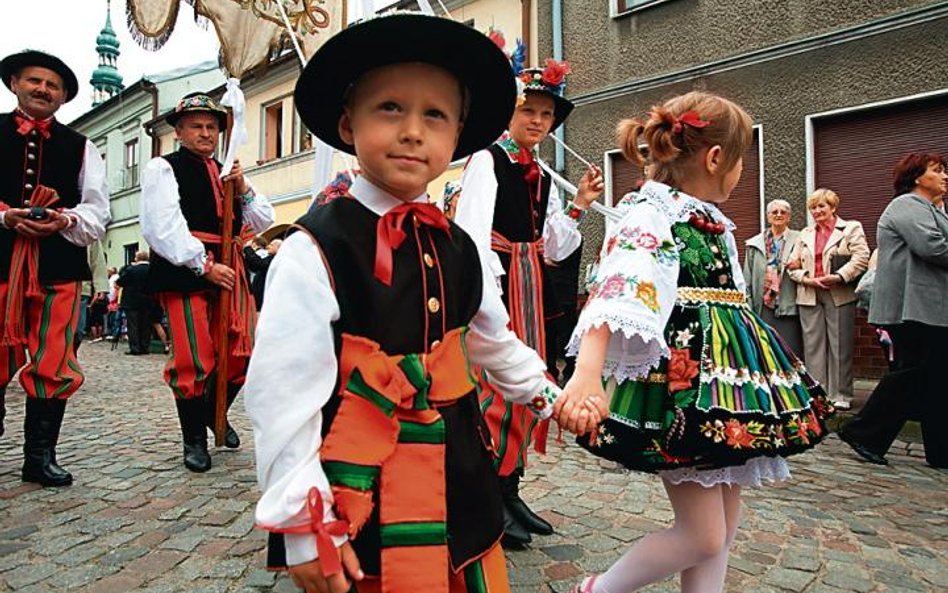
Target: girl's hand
[(309, 576)]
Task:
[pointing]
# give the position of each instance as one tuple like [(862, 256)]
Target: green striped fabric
[(474, 580), (358, 386), (414, 534), (351, 475), (416, 432)]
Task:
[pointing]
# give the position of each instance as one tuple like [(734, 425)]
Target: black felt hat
[(550, 81), (197, 103), (11, 65), (409, 37)]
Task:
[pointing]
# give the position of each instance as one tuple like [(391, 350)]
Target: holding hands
[(583, 405)]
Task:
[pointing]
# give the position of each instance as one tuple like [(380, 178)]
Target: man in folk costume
[(54, 204), (504, 206), (181, 219)]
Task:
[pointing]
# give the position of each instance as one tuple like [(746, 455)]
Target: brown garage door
[(854, 155), (856, 152), (743, 207)]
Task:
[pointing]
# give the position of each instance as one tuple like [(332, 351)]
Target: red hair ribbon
[(389, 234), (688, 118)]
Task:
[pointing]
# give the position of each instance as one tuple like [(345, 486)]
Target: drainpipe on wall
[(560, 161), (526, 10), (150, 88)]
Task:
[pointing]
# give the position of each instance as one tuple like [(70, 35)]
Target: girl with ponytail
[(709, 397)]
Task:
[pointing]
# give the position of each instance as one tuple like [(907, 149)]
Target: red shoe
[(588, 588)]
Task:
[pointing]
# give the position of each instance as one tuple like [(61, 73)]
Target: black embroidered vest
[(26, 162), (199, 208)]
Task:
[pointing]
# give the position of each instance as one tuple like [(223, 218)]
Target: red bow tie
[(389, 234), (531, 172), (26, 125)]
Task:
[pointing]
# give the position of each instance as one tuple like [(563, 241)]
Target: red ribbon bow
[(389, 234), (531, 172), (328, 556), (26, 125), (689, 118)]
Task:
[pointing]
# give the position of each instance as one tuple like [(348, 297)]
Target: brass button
[(30, 156), (33, 132), (435, 344), (28, 186), (31, 144), (429, 261), (434, 305), (30, 171)]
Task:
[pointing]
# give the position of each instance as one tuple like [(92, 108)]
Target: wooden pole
[(223, 309)]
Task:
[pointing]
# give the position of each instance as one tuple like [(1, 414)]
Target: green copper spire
[(106, 81)]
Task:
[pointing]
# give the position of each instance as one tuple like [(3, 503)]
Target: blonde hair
[(823, 195), (672, 144)]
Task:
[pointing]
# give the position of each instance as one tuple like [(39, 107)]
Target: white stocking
[(698, 536), (708, 577)]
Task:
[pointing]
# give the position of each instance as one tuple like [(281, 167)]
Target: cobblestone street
[(136, 520)]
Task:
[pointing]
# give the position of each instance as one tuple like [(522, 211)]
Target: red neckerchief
[(389, 234), (531, 172), (25, 125)]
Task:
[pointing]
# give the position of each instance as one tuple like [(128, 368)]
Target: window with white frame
[(130, 166), (621, 7), (273, 131)]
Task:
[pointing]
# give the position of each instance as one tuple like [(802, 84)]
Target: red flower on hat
[(555, 72), (497, 37)]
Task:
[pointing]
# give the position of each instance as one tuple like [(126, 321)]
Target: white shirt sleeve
[(633, 292), (475, 211), (163, 224), (561, 236), (513, 367), (91, 215), (291, 376), (257, 210)]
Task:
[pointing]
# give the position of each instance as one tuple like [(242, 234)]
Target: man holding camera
[(53, 204)]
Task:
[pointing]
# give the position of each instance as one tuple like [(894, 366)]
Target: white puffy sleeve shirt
[(293, 371), (164, 226)]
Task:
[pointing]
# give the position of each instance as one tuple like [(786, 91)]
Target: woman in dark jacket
[(909, 302)]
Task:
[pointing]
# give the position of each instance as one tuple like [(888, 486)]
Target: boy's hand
[(590, 188), (309, 576), (583, 404)]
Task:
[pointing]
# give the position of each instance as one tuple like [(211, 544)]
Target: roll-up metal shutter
[(856, 152)]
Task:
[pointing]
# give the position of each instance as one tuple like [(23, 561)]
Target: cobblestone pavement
[(136, 520)]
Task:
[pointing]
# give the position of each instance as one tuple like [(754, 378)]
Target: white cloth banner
[(234, 98)]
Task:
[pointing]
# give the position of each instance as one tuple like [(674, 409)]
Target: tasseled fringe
[(145, 40)]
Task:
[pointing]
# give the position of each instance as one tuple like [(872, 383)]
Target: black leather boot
[(3, 408), (194, 434), (231, 438), (44, 418), (516, 537), (510, 488)]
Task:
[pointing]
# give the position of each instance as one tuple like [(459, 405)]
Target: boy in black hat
[(361, 390), (55, 204), (506, 206), (181, 219)]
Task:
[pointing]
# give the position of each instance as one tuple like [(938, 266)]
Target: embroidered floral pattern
[(645, 292), (618, 284), (681, 369), (634, 238)]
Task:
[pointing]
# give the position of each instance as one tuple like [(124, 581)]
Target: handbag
[(837, 261)]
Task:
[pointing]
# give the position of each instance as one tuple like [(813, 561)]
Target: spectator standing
[(908, 301), (258, 265), (97, 286), (826, 262), (136, 303), (771, 293)]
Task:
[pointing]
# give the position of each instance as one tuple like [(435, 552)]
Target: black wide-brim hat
[(12, 64), (404, 38)]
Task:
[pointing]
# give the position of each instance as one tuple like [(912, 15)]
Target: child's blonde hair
[(672, 140)]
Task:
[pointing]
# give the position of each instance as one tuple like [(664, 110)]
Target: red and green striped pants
[(193, 351), (51, 319)]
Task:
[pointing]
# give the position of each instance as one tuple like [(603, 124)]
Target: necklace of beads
[(706, 226)]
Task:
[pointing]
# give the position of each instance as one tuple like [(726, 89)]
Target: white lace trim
[(751, 475), (618, 363), (679, 209), (740, 377)]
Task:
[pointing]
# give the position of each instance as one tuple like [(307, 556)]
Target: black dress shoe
[(521, 513), (231, 439), (515, 536), (861, 450)]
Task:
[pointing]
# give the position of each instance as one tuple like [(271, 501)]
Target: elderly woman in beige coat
[(827, 259), (771, 292)]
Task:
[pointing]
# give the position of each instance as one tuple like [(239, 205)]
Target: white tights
[(697, 545)]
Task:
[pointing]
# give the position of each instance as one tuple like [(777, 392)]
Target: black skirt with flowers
[(731, 389)]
